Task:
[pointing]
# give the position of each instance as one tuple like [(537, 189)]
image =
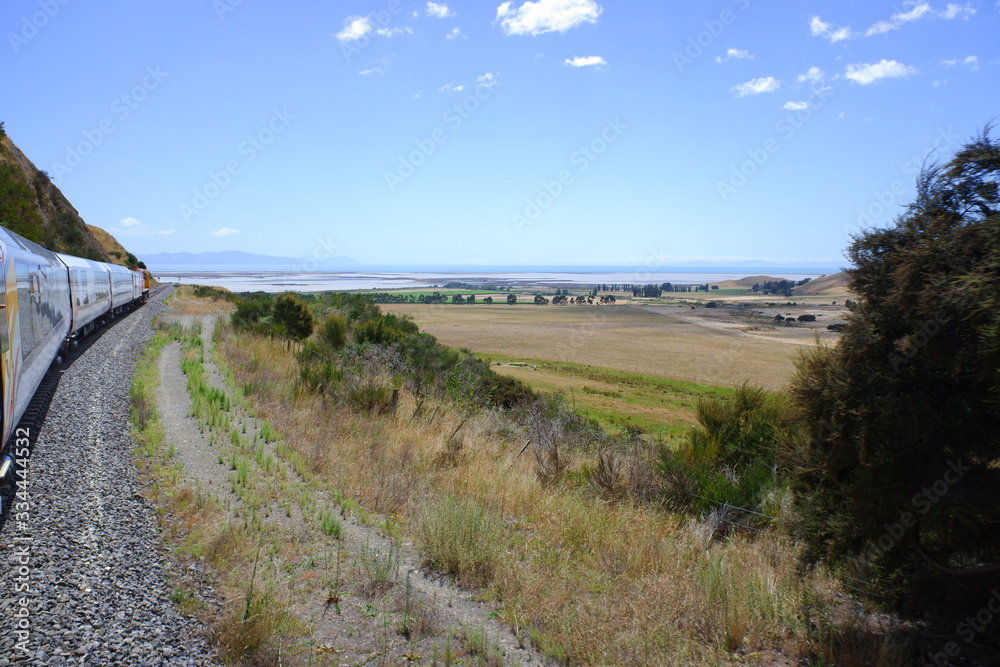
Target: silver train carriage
[(46, 301)]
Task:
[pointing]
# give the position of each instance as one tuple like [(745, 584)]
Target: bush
[(908, 403), (292, 316), (334, 331), (730, 458), (503, 391)]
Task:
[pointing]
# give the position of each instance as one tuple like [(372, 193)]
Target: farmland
[(628, 365)]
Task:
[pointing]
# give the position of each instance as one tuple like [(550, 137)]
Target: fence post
[(395, 401)]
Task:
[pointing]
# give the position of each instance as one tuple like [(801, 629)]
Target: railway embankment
[(83, 579)]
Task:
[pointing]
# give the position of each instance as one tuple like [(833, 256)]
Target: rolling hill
[(832, 285), (32, 206)]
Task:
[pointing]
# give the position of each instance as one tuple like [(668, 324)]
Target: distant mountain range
[(233, 260), (230, 259)]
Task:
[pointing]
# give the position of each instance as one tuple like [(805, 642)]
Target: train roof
[(9, 238), (73, 261)]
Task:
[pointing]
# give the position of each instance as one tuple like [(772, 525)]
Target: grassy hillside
[(832, 285), (745, 283), (32, 206), (117, 252)]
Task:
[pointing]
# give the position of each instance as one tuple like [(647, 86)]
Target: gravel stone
[(97, 584)]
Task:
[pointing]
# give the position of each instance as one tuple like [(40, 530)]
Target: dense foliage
[(729, 459), (901, 464), (360, 353)]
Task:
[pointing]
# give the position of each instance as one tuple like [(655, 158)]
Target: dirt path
[(364, 597)]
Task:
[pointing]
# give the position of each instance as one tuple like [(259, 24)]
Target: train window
[(26, 278), (4, 320)]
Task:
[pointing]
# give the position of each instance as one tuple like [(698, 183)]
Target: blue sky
[(540, 133)]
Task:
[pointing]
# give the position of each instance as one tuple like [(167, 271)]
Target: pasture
[(627, 364)]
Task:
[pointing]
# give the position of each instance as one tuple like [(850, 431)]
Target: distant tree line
[(782, 287), (454, 284)]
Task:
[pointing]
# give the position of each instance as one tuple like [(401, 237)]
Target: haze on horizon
[(557, 132)]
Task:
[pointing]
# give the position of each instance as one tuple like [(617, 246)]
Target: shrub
[(730, 458), (334, 331), (292, 316), (910, 396)]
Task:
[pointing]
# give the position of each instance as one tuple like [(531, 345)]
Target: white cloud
[(389, 32), (972, 62), (355, 27), (586, 61), (881, 27), (795, 106), (734, 54), (488, 80), (866, 73), (916, 11), (373, 70), (765, 84), (819, 28), (440, 11), (225, 231), (451, 88), (453, 33), (812, 75), (536, 18), (953, 11), (132, 227)]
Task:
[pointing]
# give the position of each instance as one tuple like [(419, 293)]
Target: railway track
[(82, 579)]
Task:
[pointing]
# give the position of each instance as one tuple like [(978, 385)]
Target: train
[(48, 302)]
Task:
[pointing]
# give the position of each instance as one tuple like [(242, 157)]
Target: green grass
[(634, 395)]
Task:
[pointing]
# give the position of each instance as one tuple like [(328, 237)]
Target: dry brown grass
[(667, 343), (593, 582), (184, 302)]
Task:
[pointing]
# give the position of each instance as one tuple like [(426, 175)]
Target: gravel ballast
[(82, 576)]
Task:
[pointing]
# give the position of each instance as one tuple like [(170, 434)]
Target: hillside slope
[(745, 283), (32, 206), (832, 285), (118, 253)]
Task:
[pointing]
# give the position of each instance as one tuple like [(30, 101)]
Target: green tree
[(334, 331), (511, 299), (901, 465), (292, 316)]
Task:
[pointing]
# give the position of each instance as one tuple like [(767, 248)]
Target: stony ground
[(83, 579)]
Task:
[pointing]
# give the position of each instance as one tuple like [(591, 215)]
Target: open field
[(616, 399), (643, 365), (671, 341)]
